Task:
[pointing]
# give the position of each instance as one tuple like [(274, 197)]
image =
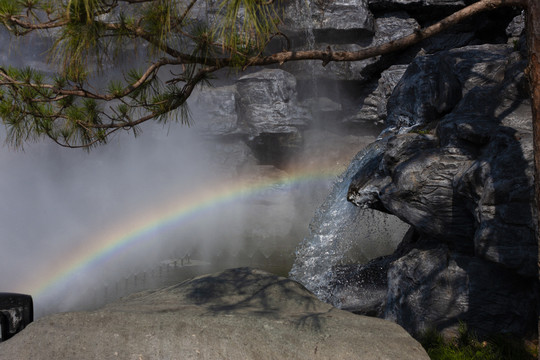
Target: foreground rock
[(236, 314)]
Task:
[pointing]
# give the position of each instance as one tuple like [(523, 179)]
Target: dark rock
[(463, 178), (236, 314), (274, 148), (423, 3), (438, 288), (342, 21), (516, 26), (388, 27), (16, 312), (373, 106), (435, 84), (363, 288), (392, 26), (430, 9), (431, 91), (448, 40), (386, 85)]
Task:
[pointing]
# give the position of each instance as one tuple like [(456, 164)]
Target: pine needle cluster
[(184, 41)]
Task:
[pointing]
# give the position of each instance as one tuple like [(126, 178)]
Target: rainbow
[(132, 231)]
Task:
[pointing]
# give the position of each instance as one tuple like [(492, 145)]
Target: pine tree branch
[(96, 128), (392, 46), (5, 79), (51, 24)]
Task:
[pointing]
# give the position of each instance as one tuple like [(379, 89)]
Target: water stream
[(341, 233)]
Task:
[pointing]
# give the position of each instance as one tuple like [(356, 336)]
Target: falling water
[(304, 18), (339, 227)]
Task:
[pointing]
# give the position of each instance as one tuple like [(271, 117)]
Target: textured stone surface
[(341, 19), (516, 27), (267, 103), (218, 115), (236, 314), (436, 84), (270, 115), (340, 22), (436, 287), (373, 106), (457, 166), (387, 27)]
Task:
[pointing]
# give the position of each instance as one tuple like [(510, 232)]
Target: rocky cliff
[(457, 166), (454, 162)]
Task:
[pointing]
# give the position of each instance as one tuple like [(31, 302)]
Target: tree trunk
[(533, 72)]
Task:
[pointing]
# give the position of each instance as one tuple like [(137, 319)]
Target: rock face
[(454, 162), (415, 4), (258, 117), (346, 20), (16, 312), (267, 103), (457, 166), (387, 27), (236, 314), (270, 114)]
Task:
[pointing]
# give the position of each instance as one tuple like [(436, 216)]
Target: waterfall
[(339, 227)]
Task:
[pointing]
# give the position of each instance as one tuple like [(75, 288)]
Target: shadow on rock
[(236, 314), (458, 167)]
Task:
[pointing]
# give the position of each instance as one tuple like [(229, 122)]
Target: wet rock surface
[(236, 314)]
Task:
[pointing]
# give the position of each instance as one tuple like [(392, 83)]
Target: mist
[(57, 202)]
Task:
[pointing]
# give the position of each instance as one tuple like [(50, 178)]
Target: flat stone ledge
[(235, 314)]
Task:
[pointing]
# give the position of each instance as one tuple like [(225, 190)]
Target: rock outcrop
[(236, 314), (457, 165), (454, 162)]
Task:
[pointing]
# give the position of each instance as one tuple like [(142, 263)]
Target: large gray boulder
[(236, 314), (435, 84), (457, 164), (257, 119)]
